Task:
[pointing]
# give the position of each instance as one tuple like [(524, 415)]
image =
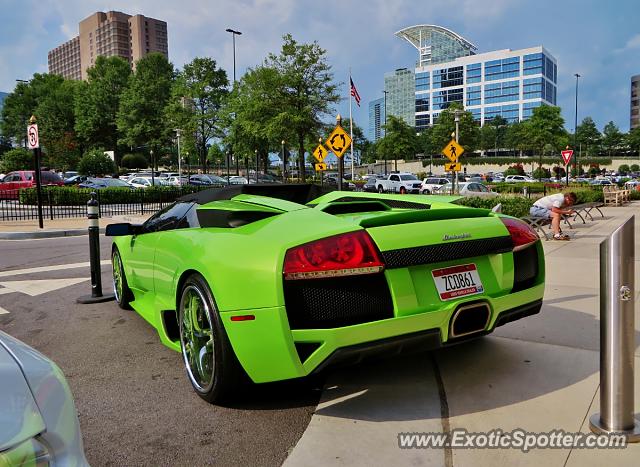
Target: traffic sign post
[(320, 153), (453, 151), (338, 142), (566, 158), (33, 142)]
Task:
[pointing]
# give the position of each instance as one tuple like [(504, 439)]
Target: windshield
[(408, 177)]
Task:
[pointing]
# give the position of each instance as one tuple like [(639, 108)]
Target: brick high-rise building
[(108, 34)]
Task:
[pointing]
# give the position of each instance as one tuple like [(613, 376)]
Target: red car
[(13, 181)]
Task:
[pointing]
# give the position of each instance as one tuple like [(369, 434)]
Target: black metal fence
[(58, 203)]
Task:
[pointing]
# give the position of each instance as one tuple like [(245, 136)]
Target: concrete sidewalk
[(539, 374), (68, 227)]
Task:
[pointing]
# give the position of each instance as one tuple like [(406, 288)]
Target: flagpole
[(351, 126)]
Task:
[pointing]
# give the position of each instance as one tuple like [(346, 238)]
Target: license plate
[(457, 281)]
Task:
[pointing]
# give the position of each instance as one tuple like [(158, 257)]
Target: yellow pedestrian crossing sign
[(452, 167), (321, 166), (338, 141), (452, 150), (320, 153)]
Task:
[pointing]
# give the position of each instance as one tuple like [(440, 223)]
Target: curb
[(45, 234)]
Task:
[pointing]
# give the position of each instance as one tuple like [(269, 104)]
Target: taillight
[(522, 234), (342, 255)]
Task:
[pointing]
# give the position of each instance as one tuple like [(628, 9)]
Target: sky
[(600, 40)]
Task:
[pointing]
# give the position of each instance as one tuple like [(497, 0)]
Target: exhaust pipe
[(469, 319)]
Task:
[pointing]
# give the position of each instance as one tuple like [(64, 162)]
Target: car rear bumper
[(270, 351)]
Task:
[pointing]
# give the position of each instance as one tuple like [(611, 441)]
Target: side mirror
[(121, 229)]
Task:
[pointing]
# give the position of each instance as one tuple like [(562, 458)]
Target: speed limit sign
[(33, 141)]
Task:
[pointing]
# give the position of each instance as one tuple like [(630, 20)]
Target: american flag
[(354, 92)]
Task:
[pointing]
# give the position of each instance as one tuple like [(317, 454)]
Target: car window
[(28, 177), (394, 178), (408, 177), (169, 218), (483, 188)]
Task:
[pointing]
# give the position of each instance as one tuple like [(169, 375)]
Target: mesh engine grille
[(446, 252), (337, 302), (525, 263), (392, 203)]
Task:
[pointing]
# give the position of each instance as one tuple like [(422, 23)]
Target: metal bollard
[(93, 214), (617, 335)]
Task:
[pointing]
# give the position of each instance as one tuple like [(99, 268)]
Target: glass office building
[(635, 102), (376, 119), (400, 86), (508, 83)]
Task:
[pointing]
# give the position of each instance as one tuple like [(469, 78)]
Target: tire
[(380, 189), (403, 190), (426, 192), (213, 370), (121, 289)]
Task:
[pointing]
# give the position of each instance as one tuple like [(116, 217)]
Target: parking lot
[(135, 404), (136, 407)]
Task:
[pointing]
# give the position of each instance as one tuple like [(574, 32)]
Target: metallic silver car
[(38, 421)]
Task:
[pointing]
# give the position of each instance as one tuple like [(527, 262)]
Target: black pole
[(93, 214), (385, 129), (340, 161), (257, 165), (575, 132), (37, 155)]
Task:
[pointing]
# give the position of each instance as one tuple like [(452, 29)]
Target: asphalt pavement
[(135, 404)]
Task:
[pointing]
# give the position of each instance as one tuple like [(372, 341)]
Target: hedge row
[(508, 161), (72, 196), (519, 206)]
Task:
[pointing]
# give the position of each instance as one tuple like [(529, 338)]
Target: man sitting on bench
[(554, 207)]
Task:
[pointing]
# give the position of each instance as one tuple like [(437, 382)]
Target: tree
[(612, 138), (492, 134), (250, 114), (588, 136), (204, 86), (134, 161), (16, 159), (56, 122), (141, 117), (22, 103), (98, 102), (399, 142), (96, 163), (545, 130), (633, 139), (515, 137), (469, 132), (305, 91)]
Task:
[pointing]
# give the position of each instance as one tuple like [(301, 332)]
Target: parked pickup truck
[(399, 183)]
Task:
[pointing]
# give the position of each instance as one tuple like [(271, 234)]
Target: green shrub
[(516, 169), (476, 160), (516, 206), (16, 159), (635, 168), (96, 163), (623, 169), (73, 196), (541, 172), (134, 161)]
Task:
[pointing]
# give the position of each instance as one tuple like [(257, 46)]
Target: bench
[(584, 210), (538, 223), (613, 195)]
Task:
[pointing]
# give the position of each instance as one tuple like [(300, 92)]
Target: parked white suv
[(430, 185), (519, 179)]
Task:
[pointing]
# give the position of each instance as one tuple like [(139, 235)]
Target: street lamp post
[(153, 169), (284, 164), (575, 131), (385, 127), (234, 34), (257, 166), (177, 130)]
